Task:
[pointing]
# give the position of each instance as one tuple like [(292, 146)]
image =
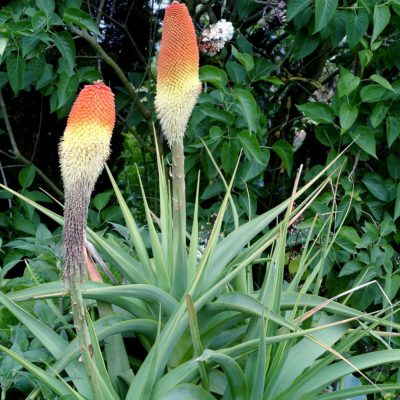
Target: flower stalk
[(178, 87), (84, 148)]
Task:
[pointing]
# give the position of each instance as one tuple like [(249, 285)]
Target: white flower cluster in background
[(214, 38)]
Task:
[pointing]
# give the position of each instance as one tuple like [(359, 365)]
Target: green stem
[(178, 185), (180, 273), (82, 330)]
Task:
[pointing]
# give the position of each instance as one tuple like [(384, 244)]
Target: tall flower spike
[(84, 148), (178, 84)]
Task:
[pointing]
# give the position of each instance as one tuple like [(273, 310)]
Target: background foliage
[(299, 82)]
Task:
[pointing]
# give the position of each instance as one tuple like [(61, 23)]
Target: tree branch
[(100, 12), (17, 154), (117, 69), (8, 126), (3, 177), (130, 37)]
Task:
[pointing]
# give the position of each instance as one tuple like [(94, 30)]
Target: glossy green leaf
[(350, 267), (365, 57), (392, 129), (3, 45), (245, 59), (47, 77), (393, 166), (248, 107), (251, 147), (213, 75), (305, 45), (324, 11), (66, 46), (378, 114), (67, 87), (262, 69), (81, 19), (347, 82), (47, 6), (372, 93), (356, 25), (39, 21), (220, 115), (294, 7), (365, 139), (285, 153), (229, 154), (237, 73), (381, 81), (381, 20), (375, 185), (16, 66), (347, 116), (244, 8), (26, 176), (397, 204), (318, 112)]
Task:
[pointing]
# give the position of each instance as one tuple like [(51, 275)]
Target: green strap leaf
[(359, 391), (58, 386), (188, 391), (234, 374), (332, 373)]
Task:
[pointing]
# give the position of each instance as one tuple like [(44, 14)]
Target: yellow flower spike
[(84, 148), (178, 84)]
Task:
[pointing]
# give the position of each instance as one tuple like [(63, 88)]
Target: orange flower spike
[(84, 149), (85, 145), (178, 84)]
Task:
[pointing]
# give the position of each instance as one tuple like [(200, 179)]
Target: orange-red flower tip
[(94, 104), (178, 83), (85, 145)]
